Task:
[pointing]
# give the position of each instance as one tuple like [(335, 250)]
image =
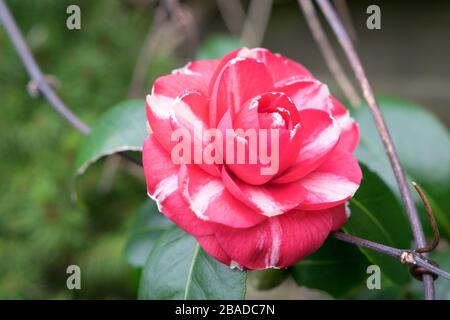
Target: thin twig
[(146, 53), (328, 53), (413, 257), (424, 263), (369, 96), (163, 33), (38, 77), (393, 252), (34, 70), (344, 13), (256, 22), (433, 222), (233, 15)]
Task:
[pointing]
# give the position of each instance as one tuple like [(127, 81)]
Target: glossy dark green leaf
[(267, 279), (388, 291), (121, 128), (337, 268), (178, 268), (377, 215), (149, 225), (216, 46), (442, 285), (423, 145)]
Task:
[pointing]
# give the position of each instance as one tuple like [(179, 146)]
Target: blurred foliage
[(42, 230), (217, 45)]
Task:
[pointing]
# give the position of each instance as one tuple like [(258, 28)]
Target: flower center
[(271, 120)]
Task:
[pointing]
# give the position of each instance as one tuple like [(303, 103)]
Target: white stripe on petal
[(344, 121), (235, 265), (184, 112), (268, 206), (161, 106), (275, 230), (348, 211), (207, 193), (186, 70), (321, 142), (166, 187), (328, 186)]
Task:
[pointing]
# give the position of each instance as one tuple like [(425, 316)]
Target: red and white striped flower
[(239, 214)]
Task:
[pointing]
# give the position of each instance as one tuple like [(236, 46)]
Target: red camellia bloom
[(280, 202)]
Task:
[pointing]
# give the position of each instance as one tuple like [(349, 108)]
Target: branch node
[(418, 271), (407, 257), (33, 86)]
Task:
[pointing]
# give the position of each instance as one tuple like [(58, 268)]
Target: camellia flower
[(286, 193)]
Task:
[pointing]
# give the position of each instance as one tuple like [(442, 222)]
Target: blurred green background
[(43, 230)]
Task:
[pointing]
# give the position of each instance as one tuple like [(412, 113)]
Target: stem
[(146, 53), (38, 77), (328, 53), (256, 22), (344, 13), (393, 252), (233, 15), (423, 263), (35, 72), (358, 69)]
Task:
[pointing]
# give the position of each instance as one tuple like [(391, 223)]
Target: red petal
[(160, 172), (240, 80), (190, 84), (307, 93), (334, 182), (340, 215), (213, 248), (268, 199), (349, 128), (281, 68), (202, 68), (267, 151), (207, 197), (310, 93), (162, 186), (188, 112), (278, 242), (319, 135)]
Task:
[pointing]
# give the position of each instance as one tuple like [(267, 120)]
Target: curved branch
[(414, 257), (38, 77), (35, 72), (366, 88), (328, 53), (233, 15), (255, 24)]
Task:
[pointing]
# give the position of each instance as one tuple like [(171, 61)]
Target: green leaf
[(376, 215), (178, 268), (442, 285), (122, 128), (388, 291), (216, 46), (337, 268), (149, 225), (423, 146), (268, 278)]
